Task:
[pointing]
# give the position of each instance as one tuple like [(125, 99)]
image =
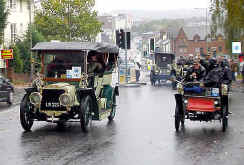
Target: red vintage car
[(196, 102)]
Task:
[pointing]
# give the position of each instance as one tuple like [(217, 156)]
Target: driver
[(95, 65), (196, 72)]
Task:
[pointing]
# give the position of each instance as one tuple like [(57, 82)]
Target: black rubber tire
[(113, 112), (85, 113), (10, 98), (182, 120), (25, 113), (224, 119), (177, 118)]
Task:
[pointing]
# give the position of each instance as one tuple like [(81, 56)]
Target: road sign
[(7, 54), (236, 47)]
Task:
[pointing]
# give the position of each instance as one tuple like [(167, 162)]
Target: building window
[(201, 51), (220, 48), (197, 50), (13, 32), (181, 50), (21, 28), (12, 4)]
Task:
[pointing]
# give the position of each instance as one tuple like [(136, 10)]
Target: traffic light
[(152, 44), (128, 40), (120, 38)]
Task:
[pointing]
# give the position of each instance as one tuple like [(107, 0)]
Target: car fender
[(116, 90), (30, 90), (84, 92)]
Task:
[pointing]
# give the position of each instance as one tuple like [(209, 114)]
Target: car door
[(4, 88)]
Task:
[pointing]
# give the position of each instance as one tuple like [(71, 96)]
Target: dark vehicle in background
[(162, 68), (79, 83), (6, 90)]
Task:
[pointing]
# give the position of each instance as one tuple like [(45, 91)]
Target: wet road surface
[(142, 133)]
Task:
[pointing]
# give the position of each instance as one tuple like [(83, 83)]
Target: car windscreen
[(162, 60), (64, 65)]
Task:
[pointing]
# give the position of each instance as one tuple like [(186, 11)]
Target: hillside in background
[(167, 24), (139, 15)]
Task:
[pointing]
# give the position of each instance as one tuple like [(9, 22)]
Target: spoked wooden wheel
[(85, 113), (26, 110), (112, 114)]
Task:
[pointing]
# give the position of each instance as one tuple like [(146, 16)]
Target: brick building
[(186, 44)]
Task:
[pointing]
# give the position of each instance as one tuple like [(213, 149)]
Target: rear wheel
[(113, 111), (85, 113), (177, 118), (26, 110), (224, 119), (182, 120)]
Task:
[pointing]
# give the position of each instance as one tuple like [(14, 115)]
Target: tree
[(17, 62), (67, 20), (3, 19), (21, 61), (227, 15)]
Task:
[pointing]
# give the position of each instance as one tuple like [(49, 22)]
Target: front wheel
[(224, 119), (26, 110), (85, 113), (113, 111)]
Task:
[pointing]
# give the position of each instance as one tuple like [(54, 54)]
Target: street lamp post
[(30, 31), (206, 25)]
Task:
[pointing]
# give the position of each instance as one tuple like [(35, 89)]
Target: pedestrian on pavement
[(234, 69), (137, 68), (242, 73)]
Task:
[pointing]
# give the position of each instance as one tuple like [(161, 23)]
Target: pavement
[(238, 86)]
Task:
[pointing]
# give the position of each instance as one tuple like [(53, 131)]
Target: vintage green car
[(78, 82)]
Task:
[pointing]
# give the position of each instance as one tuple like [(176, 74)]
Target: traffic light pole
[(126, 62)]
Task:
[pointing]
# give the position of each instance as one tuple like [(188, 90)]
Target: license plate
[(52, 105), (215, 91)]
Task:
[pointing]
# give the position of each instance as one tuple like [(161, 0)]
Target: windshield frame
[(82, 54)]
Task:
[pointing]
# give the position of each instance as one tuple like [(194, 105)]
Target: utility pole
[(69, 20), (30, 31), (207, 29), (126, 62)]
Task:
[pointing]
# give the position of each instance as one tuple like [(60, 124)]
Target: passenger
[(208, 63), (190, 60), (196, 72), (181, 61), (220, 74), (56, 68)]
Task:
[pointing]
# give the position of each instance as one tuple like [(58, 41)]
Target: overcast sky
[(109, 5)]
